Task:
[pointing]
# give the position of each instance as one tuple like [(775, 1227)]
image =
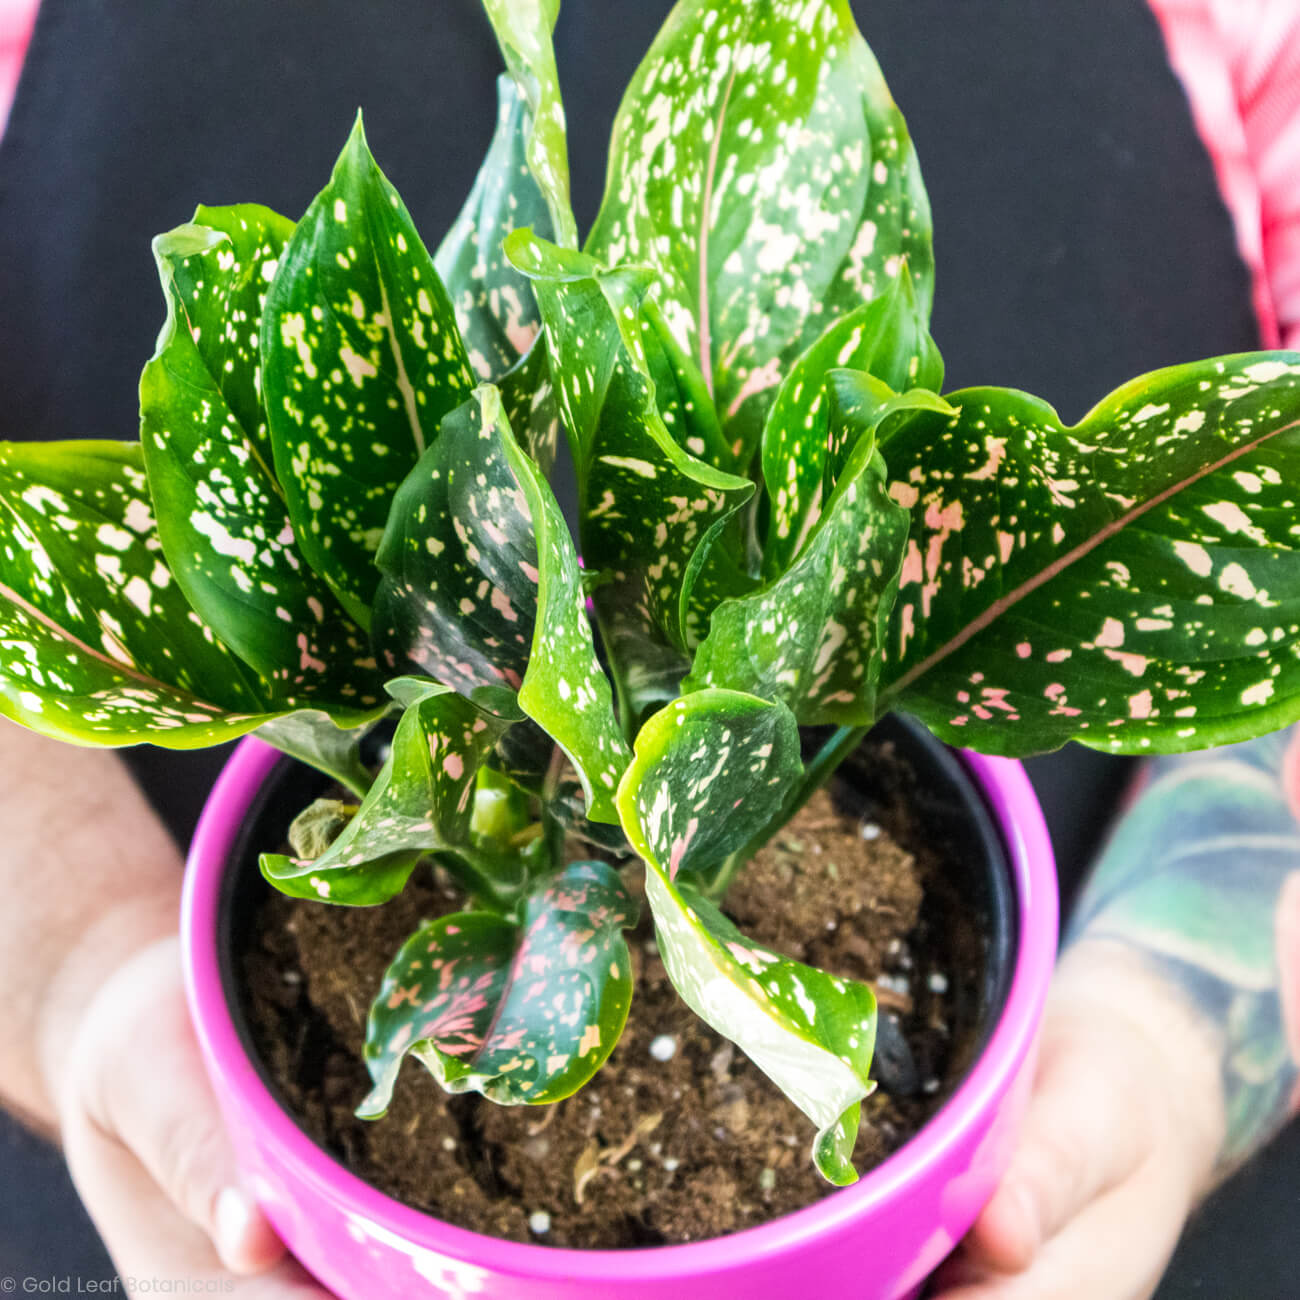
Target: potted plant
[(339, 514)]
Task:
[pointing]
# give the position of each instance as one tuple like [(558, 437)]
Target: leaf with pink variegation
[(521, 1012), (1129, 582), (421, 802)]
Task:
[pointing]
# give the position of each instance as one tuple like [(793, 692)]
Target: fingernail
[(235, 1217), (1027, 1213), (244, 1239)]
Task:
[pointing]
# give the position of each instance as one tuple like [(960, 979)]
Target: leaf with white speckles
[(708, 771), (221, 514), (361, 359), (528, 399), (523, 1013), (1130, 582), (421, 802), (482, 591), (97, 642), (760, 163), (523, 30), (812, 638), (494, 303), (644, 503), (803, 452), (681, 394)]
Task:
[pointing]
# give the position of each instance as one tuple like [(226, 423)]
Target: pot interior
[(971, 908)]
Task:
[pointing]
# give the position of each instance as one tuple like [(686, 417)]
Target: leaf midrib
[(997, 608)]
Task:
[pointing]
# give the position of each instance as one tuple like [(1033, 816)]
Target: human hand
[(146, 1147), (1119, 1142)]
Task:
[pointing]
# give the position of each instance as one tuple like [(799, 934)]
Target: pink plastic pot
[(877, 1240)]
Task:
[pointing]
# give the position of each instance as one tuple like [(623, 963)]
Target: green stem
[(839, 745), (552, 826), (479, 875)]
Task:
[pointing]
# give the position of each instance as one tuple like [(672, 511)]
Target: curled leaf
[(708, 772), (421, 802), (523, 1012), (645, 504), (813, 637), (222, 518), (494, 303), (523, 30), (482, 591)]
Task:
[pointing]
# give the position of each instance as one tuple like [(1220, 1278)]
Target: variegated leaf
[(494, 303), (708, 772), (644, 503), (813, 637), (361, 360), (681, 394), (421, 802), (523, 30), (523, 1013), (528, 399), (482, 591), (759, 161), (221, 513), (803, 453), (97, 643), (1131, 582)]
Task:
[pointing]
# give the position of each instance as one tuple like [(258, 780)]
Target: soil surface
[(679, 1137)]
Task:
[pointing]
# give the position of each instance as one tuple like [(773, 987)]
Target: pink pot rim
[(1014, 806)]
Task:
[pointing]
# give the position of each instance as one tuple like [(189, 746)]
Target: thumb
[(140, 1081), (1085, 1132)]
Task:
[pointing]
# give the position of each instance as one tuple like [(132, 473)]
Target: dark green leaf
[(759, 161), (494, 303), (421, 802), (361, 360), (221, 514), (1131, 582), (99, 644), (528, 399), (645, 504), (482, 591), (707, 773), (520, 1013), (813, 637), (803, 450)]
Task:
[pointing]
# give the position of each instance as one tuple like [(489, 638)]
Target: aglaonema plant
[(339, 512)]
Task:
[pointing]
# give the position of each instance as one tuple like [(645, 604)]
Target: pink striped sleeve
[(1240, 63), (17, 18)]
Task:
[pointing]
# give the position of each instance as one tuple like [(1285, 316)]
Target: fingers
[(149, 1239), (1116, 1248), (1083, 1134), (1119, 1138), (144, 1139)]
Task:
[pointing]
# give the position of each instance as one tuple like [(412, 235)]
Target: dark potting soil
[(679, 1137)]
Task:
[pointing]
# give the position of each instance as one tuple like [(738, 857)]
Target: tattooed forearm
[(1202, 876)]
